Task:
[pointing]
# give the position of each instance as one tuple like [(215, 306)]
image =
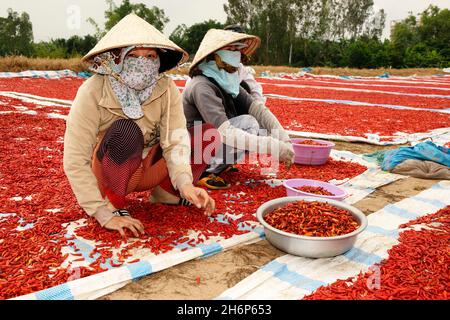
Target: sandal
[(184, 202), (231, 169), (213, 182), (159, 195)]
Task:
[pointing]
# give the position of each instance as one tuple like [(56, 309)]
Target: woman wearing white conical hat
[(126, 129), (214, 95), (246, 73)]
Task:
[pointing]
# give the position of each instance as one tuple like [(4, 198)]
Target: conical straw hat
[(133, 30), (215, 39)]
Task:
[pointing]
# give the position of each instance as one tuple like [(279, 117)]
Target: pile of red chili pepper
[(422, 81), (37, 203), (63, 88), (315, 190), (370, 97), (377, 85), (313, 219), (333, 169), (354, 120), (309, 142), (416, 269)]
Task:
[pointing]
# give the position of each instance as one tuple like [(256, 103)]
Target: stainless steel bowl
[(310, 247)]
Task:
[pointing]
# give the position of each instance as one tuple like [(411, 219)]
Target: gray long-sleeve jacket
[(203, 101)]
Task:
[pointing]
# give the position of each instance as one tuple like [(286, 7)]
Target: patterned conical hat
[(134, 31), (215, 39)]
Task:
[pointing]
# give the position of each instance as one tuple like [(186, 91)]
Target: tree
[(154, 15), (286, 26), (422, 56), (190, 38), (271, 20), (403, 35), (179, 36), (50, 50), (434, 28), (75, 46), (422, 42), (16, 34)]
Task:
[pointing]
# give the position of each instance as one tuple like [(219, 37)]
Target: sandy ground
[(224, 270)]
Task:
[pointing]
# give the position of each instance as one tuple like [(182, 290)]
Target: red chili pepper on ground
[(416, 269), (134, 261), (28, 258)]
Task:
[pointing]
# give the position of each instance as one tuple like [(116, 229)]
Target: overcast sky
[(63, 18)]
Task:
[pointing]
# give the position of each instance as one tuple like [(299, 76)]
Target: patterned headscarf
[(132, 79)]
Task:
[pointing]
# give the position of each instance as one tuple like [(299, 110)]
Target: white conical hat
[(215, 39), (133, 30)]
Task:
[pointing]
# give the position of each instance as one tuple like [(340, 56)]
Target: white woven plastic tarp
[(39, 74), (31, 98), (292, 277)]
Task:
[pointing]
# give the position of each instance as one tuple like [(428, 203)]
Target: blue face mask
[(233, 58), (227, 81)]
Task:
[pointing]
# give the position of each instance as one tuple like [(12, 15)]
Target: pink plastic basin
[(312, 155), (339, 194)]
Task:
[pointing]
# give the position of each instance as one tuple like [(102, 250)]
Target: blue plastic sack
[(422, 151), (84, 74)]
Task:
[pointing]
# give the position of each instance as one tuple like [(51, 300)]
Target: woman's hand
[(199, 197), (119, 223), (287, 154)]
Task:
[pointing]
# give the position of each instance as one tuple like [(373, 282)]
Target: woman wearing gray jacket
[(214, 96)]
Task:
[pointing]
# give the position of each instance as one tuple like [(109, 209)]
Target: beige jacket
[(93, 111)]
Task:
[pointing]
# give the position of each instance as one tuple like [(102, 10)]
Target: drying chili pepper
[(62, 88), (417, 88), (134, 261), (113, 264), (354, 120), (314, 190), (31, 153), (370, 97), (309, 142), (416, 269), (314, 219)]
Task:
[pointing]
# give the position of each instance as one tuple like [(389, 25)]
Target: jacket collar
[(109, 99)]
